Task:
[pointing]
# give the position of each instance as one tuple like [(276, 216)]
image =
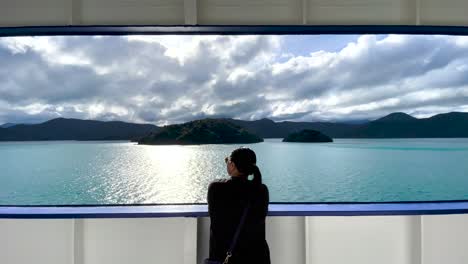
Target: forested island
[(206, 131), (308, 136)]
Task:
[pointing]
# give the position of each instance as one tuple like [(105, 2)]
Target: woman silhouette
[(227, 203)]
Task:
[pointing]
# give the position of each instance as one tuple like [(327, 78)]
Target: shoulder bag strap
[(236, 235)]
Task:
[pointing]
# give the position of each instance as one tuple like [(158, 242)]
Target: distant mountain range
[(395, 125), (7, 125), (76, 129)]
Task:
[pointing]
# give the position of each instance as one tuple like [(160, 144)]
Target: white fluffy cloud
[(171, 79)]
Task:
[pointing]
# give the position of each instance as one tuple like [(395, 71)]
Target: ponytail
[(257, 175)]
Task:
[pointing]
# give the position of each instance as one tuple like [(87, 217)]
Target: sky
[(173, 79)]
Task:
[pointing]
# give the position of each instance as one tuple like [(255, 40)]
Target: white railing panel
[(36, 241), (363, 240), (143, 240), (445, 239), (312, 240)]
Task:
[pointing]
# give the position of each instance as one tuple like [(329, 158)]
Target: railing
[(403, 233), (200, 210)]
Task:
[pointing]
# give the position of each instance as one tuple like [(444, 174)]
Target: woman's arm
[(266, 199), (211, 198)]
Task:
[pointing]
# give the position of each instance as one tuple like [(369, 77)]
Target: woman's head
[(243, 162)]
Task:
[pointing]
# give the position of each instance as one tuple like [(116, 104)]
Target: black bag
[(234, 240)]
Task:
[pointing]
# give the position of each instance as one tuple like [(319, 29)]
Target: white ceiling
[(232, 12)]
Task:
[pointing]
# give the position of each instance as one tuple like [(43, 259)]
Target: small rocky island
[(205, 131), (308, 136)]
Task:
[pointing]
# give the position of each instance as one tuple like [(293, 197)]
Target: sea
[(347, 170)]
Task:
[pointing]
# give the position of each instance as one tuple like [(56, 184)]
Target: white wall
[(317, 240)]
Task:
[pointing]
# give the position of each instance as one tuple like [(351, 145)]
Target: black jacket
[(226, 202)]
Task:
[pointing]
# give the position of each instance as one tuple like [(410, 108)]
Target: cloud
[(171, 79)]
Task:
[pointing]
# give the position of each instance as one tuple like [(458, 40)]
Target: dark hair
[(245, 161)]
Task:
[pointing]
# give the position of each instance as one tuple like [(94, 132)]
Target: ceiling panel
[(361, 12), (135, 12), (444, 12), (232, 12), (30, 13), (242, 12)]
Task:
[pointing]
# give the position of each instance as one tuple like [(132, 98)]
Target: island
[(308, 136), (204, 131)]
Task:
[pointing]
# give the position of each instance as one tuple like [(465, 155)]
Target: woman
[(227, 200)]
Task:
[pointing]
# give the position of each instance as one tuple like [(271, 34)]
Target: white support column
[(77, 241), (69, 12), (305, 11), (415, 237), (203, 238), (74, 12), (418, 12), (190, 12), (307, 239), (190, 240)]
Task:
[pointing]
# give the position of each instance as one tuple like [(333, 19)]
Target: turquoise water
[(348, 170)]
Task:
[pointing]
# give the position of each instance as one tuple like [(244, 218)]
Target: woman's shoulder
[(217, 183), (264, 189), (261, 187), (216, 189), (260, 190)]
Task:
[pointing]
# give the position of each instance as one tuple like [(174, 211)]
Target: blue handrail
[(201, 210)]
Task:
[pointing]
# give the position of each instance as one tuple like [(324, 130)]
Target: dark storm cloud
[(149, 115), (29, 78), (21, 117), (243, 86), (250, 108), (292, 116), (201, 67), (148, 80)]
